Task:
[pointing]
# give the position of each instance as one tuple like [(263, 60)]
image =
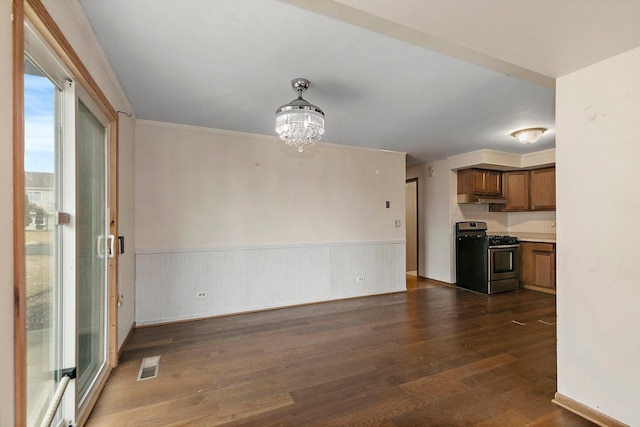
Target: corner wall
[(599, 237), (254, 224)]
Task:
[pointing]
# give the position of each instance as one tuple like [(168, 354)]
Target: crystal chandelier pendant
[(299, 123)]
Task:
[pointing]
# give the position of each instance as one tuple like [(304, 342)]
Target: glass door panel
[(66, 172), (43, 244), (92, 247)]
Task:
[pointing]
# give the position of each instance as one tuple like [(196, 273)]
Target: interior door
[(411, 225)]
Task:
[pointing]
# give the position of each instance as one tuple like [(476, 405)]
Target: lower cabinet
[(538, 266)]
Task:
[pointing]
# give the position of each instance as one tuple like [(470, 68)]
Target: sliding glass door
[(93, 246), (67, 241), (43, 239)]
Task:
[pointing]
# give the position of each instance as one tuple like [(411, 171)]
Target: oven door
[(503, 262)]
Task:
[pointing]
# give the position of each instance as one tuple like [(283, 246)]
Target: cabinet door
[(515, 187), (479, 179), (543, 189), (544, 269), (493, 179), (538, 264)]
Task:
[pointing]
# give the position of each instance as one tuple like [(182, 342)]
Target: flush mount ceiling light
[(299, 123), (528, 136)]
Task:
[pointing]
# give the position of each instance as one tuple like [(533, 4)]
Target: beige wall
[(6, 215), (126, 227), (254, 224), (202, 188), (599, 236)]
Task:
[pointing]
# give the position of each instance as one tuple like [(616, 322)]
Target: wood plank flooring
[(433, 356)]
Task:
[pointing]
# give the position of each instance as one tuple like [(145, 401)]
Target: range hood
[(479, 200)]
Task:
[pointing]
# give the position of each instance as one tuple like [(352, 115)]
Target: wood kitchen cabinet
[(538, 266), (543, 189), (479, 181), (530, 190), (515, 188)]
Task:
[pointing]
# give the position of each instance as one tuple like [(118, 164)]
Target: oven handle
[(503, 246)]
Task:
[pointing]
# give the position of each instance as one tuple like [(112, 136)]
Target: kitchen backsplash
[(532, 222), (497, 222), (503, 222)]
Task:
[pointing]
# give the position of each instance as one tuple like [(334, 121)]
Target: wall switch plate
[(398, 223), (201, 294), (387, 204), (360, 279)]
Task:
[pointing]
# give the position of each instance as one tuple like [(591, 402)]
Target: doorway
[(411, 222)]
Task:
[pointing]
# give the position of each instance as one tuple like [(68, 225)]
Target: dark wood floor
[(431, 356)]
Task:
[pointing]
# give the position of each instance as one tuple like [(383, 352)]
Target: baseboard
[(126, 340), (439, 282), (586, 412), (540, 289), (258, 310)]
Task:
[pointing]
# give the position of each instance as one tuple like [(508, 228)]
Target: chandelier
[(299, 123)]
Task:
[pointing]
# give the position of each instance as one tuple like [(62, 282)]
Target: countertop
[(535, 237)]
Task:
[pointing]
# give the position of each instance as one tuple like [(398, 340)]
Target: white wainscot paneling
[(244, 279)]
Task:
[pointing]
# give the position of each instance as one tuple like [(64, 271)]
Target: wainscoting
[(236, 280)]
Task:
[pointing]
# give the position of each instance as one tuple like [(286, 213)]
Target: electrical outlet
[(201, 294), (360, 279)]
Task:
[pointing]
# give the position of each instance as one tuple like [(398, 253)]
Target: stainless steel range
[(486, 264)]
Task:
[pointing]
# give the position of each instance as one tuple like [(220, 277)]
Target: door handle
[(110, 242), (100, 249), (100, 246)]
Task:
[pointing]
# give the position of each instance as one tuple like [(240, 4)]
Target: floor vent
[(149, 368)]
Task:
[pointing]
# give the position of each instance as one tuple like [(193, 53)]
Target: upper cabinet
[(516, 190), (533, 190), (479, 181), (543, 189)]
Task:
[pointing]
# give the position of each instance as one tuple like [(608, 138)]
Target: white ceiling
[(432, 78)]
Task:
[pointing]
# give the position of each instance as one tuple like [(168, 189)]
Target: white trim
[(147, 251), (503, 160), (255, 135), (296, 303), (68, 236)]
